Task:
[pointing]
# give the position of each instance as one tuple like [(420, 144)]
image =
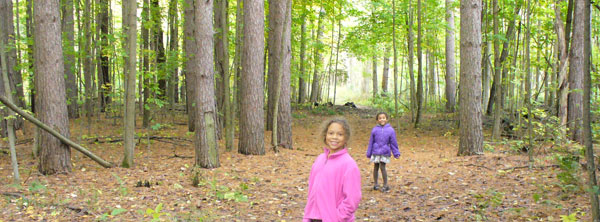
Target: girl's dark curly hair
[(384, 113), (340, 121)]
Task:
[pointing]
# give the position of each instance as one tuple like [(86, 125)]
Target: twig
[(183, 157), (78, 210), (12, 194), (538, 167), (470, 164)]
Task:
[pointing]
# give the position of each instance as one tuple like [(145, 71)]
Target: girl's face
[(382, 119), (335, 139)]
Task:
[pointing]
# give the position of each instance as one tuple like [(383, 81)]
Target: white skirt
[(380, 159)]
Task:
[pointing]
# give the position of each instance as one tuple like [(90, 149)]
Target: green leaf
[(117, 211)]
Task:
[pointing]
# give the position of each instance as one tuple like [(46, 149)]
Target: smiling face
[(335, 138), (382, 119)]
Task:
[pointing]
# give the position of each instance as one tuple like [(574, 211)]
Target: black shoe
[(375, 187), (385, 189)]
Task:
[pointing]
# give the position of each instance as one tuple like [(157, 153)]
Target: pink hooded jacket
[(334, 188)]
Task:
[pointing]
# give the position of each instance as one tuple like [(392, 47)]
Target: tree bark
[(276, 23), (450, 59), (222, 63), (419, 98), (252, 87), (189, 44), (471, 135), (314, 91), (563, 63), (301, 82), (576, 74), (284, 117), (55, 156), (386, 70), (87, 60), (129, 46), (411, 49), (374, 70), (68, 29), (206, 145), (105, 86)]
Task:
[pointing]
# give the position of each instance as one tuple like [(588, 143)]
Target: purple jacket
[(383, 140), (334, 189)]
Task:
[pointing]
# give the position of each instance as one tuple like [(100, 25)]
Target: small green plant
[(156, 212), (573, 217), (122, 188), (491, 198), (36, 186), (324, 110), (298, 115), (569, 171)]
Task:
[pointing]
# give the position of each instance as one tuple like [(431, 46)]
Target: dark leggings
[(376, 168)]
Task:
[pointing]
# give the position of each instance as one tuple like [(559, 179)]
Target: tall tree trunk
[(576, 74), (29, 33), (284, 117), (10, 59), (337, 56), (301, 81), (563, 63), (411, 49), (252, 88), (55, 156), (499, 72), (159, 46), (6, 6), (173, 84), (528, 83), (103, 73), (222, 63), (450, 60), (189, 44), (317, 58), (419, 98), (395, 62), (206, 144), (471, 135), (68, 29), (432, 81), (148, 41), (374, 70), (587, 131), (87, 60), (129, 46), (386, 70), (276, 23)]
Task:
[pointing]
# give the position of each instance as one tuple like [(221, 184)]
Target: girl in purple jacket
[(381, 145), (334, 182)]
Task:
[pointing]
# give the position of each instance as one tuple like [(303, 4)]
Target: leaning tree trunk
[(471, 135), (252, 84), (206, 144), (55, 156), (450, 63), (129, 46)]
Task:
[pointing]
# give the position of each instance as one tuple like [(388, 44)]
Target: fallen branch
[(12, 194), (534, 167), (55, 134), (182, 157), (470, 164), (78, 210), (116, 140)]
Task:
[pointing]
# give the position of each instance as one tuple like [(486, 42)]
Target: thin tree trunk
[(374, 70), (129, 46), (385, 74), (337, 55), (301, 81), (87, 62), (471, 135), (563, 63), (103, 72), (189, 44), (450, 59), (276, 21), (528, 84), (68, 29), (55, 156), (5, 6), (419, 98), (395, 63), (411, 49), (317, 58)]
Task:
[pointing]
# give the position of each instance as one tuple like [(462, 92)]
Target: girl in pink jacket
[(334, 188)]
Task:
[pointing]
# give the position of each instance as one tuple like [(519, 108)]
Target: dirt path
[(428, 182)]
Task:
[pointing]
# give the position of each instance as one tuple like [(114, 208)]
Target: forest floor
[(428, 182)]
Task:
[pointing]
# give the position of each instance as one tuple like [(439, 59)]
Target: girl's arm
[(394, 145), (351, 190), (369, 149)]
